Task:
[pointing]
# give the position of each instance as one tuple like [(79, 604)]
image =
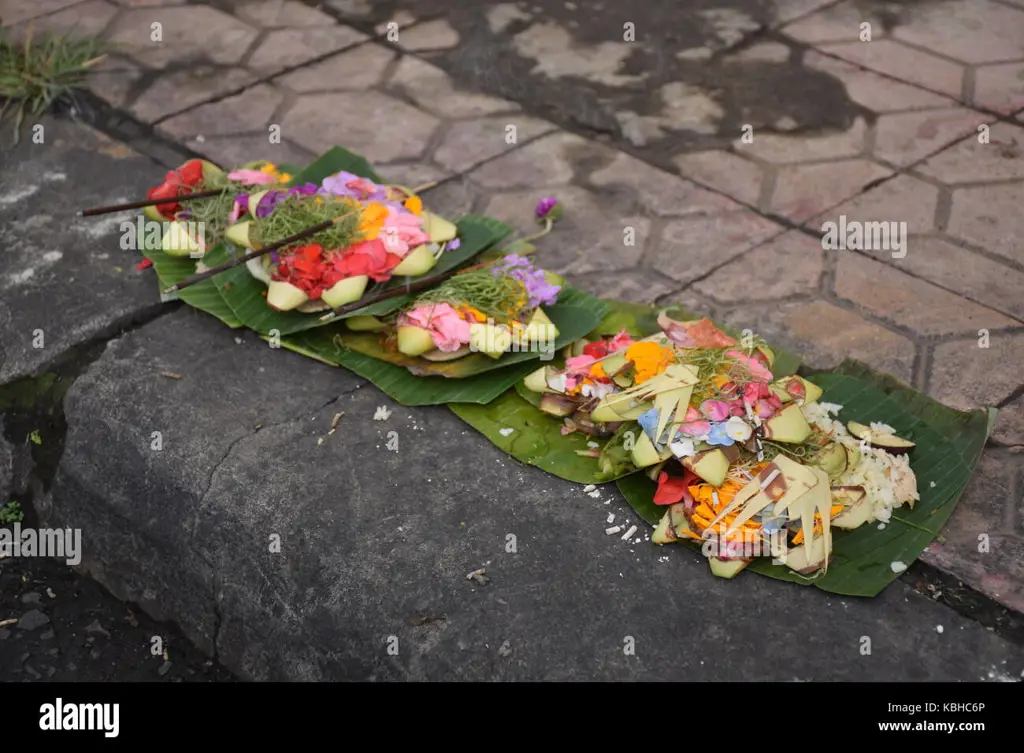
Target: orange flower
[(649, 359), (415, 205), (471, 314), (597, 370), (372, 220)]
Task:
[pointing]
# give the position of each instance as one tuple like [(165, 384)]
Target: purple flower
[(268, 202), (538, 289), (306, 189), (453, 244), (353, 187), (548, 208)]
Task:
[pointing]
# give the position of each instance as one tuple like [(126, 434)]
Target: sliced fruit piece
[(852, 457), (557, 405), (654, 471), (858, 508), (780, 392), (440, 355), (365, 324), (537, 381), (664, 534), (240, 233), (677, 518), (726, 568), (808, 561), (613, 363), (345, 291), (210, 170), (254, 201), (832, 459), (414, 341), (882, 439), (178, 240), (768, 354), (438, 229), (419, 261), (152, 213), (489, 339), (645, 454), (788, 425), (540, 328), (551, 278), (283, 296), (710, 465), (622, 411)]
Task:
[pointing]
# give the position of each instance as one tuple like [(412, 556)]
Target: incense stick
[(148, 203)]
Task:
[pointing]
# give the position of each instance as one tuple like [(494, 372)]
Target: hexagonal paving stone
[(780, 150), (901, 199), (548, 161), (803, 191), (247, 112), (967, 376), (999, 87), (432, 35), (286, 48), (592, 235), (195, 32), (380, 128), (903, 63), (964, 272), (355, 70), (838, 23), (433, 90), (235, 150), (980, 31), (893, 296), (726, 172), (279, 13), (112, 80), (633, 286), (990, 217), (657, 193), (19, 11), (175, 92), (690, 248), (825, 334), (84, 19), (874, 91), (904, 138), (787, 266), (469, 142), (971, 161)]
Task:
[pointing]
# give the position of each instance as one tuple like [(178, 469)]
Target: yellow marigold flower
[(415, 205), (649, 359), (371, 220), (269, 169), (597, 371), (284, 177)]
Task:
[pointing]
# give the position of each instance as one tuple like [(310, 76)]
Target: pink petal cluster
[(447, 329), (402, 231), (252, 177)]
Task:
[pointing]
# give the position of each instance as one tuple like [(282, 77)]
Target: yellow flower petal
[(415, 205)]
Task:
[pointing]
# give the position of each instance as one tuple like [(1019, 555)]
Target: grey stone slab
[(66, 279), (322, 555)]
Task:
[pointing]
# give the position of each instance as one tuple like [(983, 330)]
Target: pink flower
[(695, 428), (447, 329), (620, 341), (402, 231), (252, 177), (692, 414), (756, 369), (579, 364), (765, 409), (716, 410)]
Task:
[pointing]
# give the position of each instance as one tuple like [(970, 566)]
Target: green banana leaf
[(949, 444), (204, 296), (334, 161), (246, 296), (397, 382)]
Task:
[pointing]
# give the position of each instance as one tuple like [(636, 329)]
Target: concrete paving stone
[(694, 302), (469, 142), (894, 296), (411, 174), (237, 149), (395, 24), (269, 14), (981, 31), (903, 63), (873, 91), (433, 90), (1009, 428), (67, 281), (655, 192), (789, 10), (763, 52), (990, 217), (147, 3), (452, 199), (432, 35), (782, 149), (186, 35), (904, 138), (962, 271), (788, 265), (726, 172), (250, 111), (971, 161), (633, 285), (113, 79), (900, 199), (355, 70), (966, 375), (176, 92), (379, 127), (192, 529), (287, 48), (825, 334), (999, 87), (692, 247), (804, 191), (979, 546), (357, 9), (591, 236), (548, 161), (18, 11), (87, 19), (839, 22)]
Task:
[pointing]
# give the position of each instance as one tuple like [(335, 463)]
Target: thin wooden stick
[(426, 282), (301, 235), (149, 203)]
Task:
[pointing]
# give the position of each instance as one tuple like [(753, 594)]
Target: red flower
[(597, 349), (368, 258), (187, 176), (144, 264), (304, 268), (673, 489)]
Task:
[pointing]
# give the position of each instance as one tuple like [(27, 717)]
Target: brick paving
[(933, 135)]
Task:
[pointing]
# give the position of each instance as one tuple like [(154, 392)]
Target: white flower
[(598, 389), (738, 429), (683, 448)]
